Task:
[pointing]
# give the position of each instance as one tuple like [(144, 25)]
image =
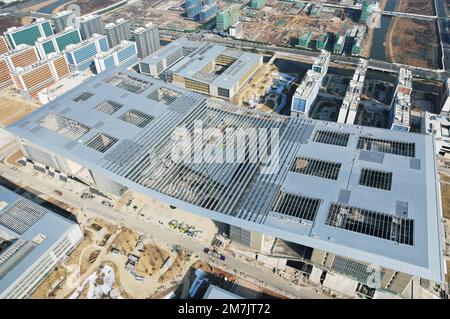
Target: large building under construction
[(354, 196)]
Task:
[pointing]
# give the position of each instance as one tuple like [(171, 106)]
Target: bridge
[(408, 15)]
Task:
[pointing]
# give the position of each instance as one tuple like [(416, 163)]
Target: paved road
[(158, 233)]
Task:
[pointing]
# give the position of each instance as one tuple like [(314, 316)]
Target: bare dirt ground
[(151, 260), (88, 6), (8, 22), (14, 158), (413, 42), (416, 6), (166, 14), (13, 108), (445, 194), (279, 28), (175, 268)]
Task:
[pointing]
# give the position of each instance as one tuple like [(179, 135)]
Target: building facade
[(118, 32), (28, 34), (58, 42), (63, 19), (80, 57), (147, 39), (90, 25), (125, 54), (33, 241), (215, 70), (32, 79), (4, 48)]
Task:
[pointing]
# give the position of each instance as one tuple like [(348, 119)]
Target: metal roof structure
[(359, 192), (27, 233), (193, 66)]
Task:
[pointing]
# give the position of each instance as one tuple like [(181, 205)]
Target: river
[(49, 9), (379, 34)]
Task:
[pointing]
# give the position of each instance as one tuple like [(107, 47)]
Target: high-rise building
[(80, 57), (308, 90), (58, 42), (401, 103), (124, 54), (22, 56), (349, 108), (118, 32), (227, 17), (207, 13), (28, 34), (4, 48), (36, 77), (201, 10), (147, 39), (90, 25), (33, 241), (5, 77), (63, 19), (223, 20), (236, 30)]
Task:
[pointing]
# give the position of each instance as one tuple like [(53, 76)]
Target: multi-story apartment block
[(118, 32), (32, 79), (22, 56), (80, 57), (147, 39), (4, 48), (28, 34), (90, 25), (124, 54), (58, 42), (63, 19)]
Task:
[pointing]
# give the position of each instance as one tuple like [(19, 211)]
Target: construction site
[(304, 25), (166, 14)]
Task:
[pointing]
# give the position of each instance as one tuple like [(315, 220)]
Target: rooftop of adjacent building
[(27, 231), (113, 24), (309, 82)]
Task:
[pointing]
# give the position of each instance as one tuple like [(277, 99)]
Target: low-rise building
[(33, 240)]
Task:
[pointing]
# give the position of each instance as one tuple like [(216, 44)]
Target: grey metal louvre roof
[(21, 221), (398, 229)]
